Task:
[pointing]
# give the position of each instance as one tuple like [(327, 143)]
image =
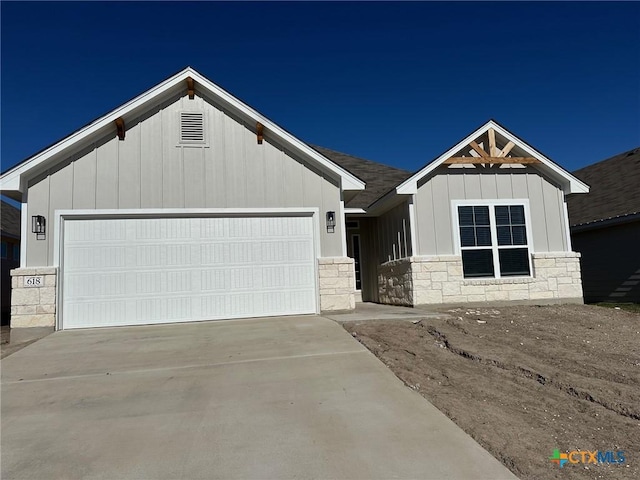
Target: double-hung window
[(493, 240)]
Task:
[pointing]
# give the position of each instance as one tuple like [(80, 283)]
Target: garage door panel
[(186, 269)]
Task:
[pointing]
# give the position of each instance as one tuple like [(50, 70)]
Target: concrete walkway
[(374, 311), (293, 397)]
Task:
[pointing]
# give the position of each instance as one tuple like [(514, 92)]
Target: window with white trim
[(493, 241)]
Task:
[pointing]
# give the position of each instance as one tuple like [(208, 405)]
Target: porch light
[(331, 222), (38, 226)]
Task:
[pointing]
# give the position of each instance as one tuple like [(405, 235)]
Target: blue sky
[(397, 83)]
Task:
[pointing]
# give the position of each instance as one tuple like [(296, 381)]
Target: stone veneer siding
[(395, 282), (439, 280), (337, 283), (33, 306)]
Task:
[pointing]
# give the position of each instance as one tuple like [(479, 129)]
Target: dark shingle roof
[(10, 219), (380, 179), (614, 189)]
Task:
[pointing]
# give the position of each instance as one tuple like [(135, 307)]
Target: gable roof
[(614, 190), (10, 220), (379, 178), (14, 180), (569, 183)]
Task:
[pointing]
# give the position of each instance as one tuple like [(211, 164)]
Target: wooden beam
[(190, 88), (259, 131), (481, 160), (507, 148), (478, 149), (493, 151), (120, 128)]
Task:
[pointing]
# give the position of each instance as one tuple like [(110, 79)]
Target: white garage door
[(158, 270)]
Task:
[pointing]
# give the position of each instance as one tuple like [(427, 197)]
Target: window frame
[(495, 248)]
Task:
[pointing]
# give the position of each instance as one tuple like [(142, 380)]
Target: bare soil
[(525, 380)]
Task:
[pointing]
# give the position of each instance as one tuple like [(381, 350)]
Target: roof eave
[(570, 184), (12, 180), (348, 180), (605, 222)]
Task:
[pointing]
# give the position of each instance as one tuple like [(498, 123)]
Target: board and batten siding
[(150, 169), (394, 234), (433, 205)]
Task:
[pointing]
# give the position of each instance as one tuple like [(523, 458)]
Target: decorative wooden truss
[(494, 156)]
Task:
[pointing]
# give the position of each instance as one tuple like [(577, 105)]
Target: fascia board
[(385, 203), (349, 181), (410, 185), (12, 177), (570, 183), (11, 181), (574, 185)]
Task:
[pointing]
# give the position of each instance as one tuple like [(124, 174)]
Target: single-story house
[(10, 253), (605, 228), (186, 204)]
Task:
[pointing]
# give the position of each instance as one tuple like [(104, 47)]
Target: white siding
[(150, 169), (433, 205)]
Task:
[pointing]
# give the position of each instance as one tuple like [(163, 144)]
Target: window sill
[(497, 281)]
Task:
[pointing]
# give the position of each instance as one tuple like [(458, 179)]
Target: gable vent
[(191, 127)]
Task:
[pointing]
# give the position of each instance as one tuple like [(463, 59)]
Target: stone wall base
[(336, 279), (395, 282), (439, 280), (33, 305)]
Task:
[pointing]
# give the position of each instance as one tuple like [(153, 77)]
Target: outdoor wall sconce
[(331, 222), (38, 226)]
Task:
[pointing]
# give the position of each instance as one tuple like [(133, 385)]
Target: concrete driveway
[(293, 397)]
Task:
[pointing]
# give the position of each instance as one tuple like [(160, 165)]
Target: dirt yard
[(524, 381)]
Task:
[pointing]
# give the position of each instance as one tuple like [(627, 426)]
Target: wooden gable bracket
[(120, 128), (190, 88), (259, 132), (494, 157)]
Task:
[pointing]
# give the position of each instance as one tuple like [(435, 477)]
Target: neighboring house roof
[(14, 180), (614, 190), (379, 178), (10, 219), (568, 182)]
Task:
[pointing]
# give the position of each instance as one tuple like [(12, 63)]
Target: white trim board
[(491, 203), (71, 215), (570, 183), (15, 178)]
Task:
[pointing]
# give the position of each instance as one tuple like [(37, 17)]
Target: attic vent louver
[(191, 127)]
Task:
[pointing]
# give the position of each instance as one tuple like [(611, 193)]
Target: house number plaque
[(34, 281)]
